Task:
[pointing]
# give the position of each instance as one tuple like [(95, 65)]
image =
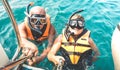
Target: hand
[(57, 59), (28, 51), (33, 60), (29, 47)]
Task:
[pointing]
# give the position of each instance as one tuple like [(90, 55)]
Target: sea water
[(101, 18)]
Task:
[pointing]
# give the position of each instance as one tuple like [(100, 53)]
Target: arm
[(50, 43), (56, 46), (29, 46), (94, 48)]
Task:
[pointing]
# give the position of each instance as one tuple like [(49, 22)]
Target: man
[(36, 27), (75, 46)]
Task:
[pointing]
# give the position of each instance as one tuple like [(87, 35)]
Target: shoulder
[(90, 40), (52, 29), (60, 36), (22, 25)]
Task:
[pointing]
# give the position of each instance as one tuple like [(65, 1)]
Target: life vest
[(45, 33), (74, 49)]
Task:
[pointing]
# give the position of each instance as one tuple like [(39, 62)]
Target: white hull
[(115, 47), (3, 57)]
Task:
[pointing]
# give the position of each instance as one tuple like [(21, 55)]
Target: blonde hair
[(77, 16)]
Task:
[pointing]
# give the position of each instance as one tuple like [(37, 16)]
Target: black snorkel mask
[(35, 19), (76, 23), (73, 23)]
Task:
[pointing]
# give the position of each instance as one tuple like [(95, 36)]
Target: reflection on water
[(101, 17)]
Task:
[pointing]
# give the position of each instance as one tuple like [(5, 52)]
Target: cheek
[(33, 25)]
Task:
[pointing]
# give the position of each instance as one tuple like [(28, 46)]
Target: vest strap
[(74, 44)]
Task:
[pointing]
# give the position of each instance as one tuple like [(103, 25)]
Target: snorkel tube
[(27, 8), (28, 17), (68, 32)]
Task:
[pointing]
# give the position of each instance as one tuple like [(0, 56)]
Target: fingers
[(59, 59), (31, 61), (29, 52), (62, 59), (36, 52), (25, 51)]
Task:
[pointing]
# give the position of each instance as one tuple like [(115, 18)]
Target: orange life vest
[(44, 35)]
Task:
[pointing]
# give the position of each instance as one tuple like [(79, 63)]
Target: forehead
[(76, 16), (37, 10)]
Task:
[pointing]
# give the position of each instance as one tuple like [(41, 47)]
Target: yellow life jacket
[(74, 48), (45, 33)]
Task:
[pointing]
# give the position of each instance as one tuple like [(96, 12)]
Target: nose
[(76, 24), (38, 23)]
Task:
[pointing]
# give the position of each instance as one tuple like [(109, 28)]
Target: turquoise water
[(101, 17)]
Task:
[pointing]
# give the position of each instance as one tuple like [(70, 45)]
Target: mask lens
[(73, 24), (33, 20), (80, 23), (43, 20), (76, 24)]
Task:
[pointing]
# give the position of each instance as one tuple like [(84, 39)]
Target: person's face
[(76, 26), (38, 20)]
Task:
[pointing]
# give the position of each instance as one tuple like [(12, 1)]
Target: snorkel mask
[(77, 22), (35, 19), (74, 23)]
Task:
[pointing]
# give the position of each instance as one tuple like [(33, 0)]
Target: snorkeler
[(36, 27), (75, 45)]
